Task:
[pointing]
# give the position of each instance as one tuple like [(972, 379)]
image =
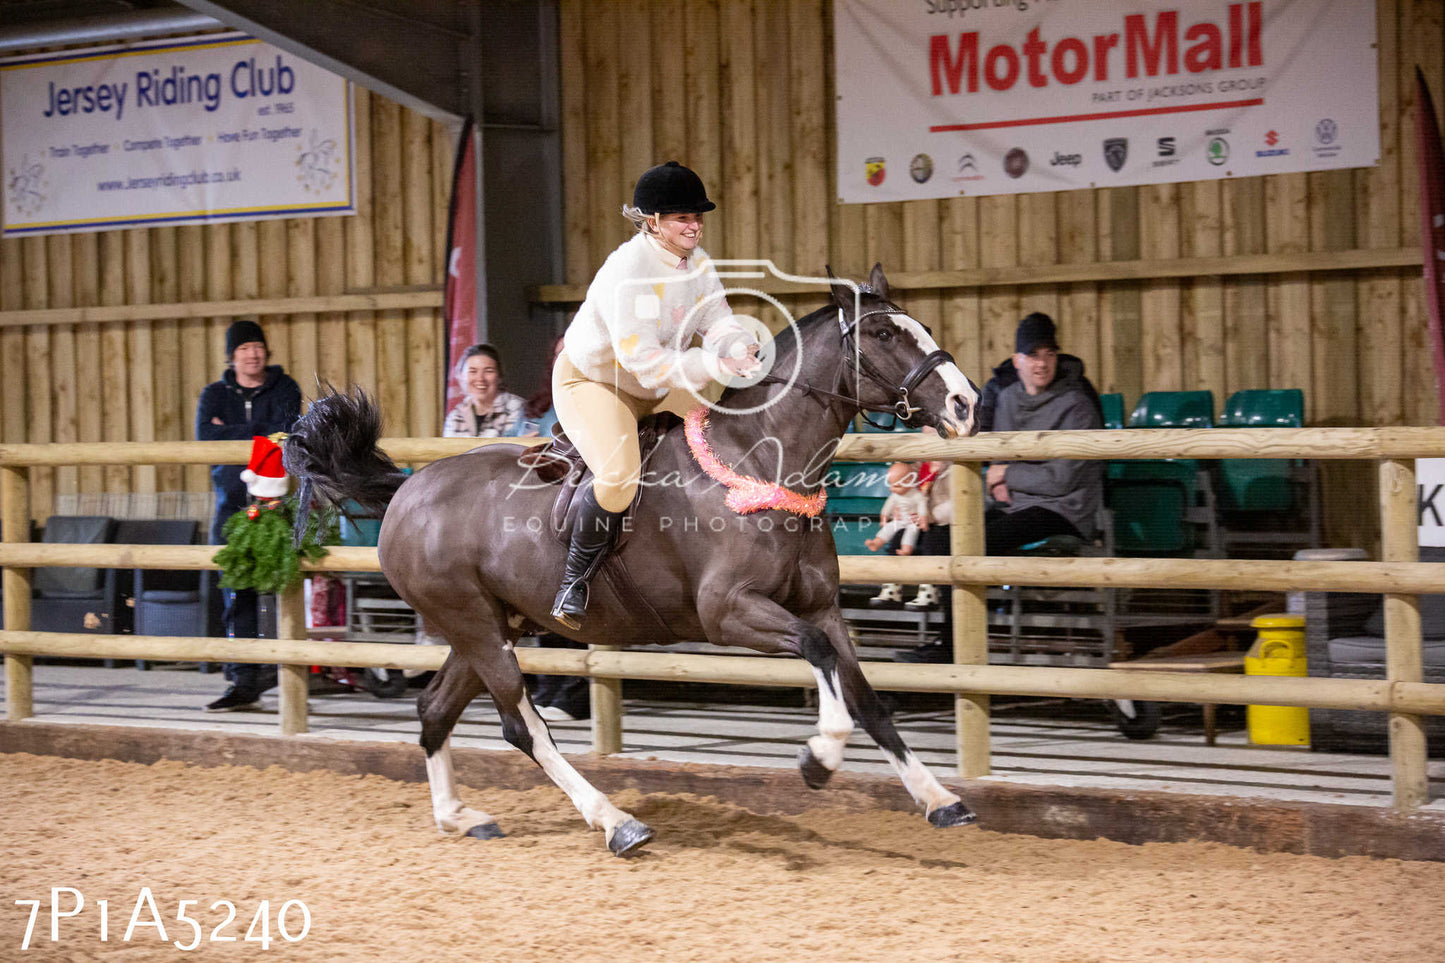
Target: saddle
[(559, 463)]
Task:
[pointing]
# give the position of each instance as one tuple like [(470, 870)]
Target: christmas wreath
[(260, 553)]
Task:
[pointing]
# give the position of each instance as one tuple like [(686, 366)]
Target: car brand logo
[(1016, 162), (1066, 160), (1217, 151), (1326, 131), (873, 168), (967, 169), (1116, 151), (1166, 147), (921, 168)]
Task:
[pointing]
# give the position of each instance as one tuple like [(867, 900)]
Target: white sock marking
[(592, 804), (834, 723), (447, 809)]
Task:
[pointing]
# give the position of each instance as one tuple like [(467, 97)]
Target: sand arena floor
[(718, 884)]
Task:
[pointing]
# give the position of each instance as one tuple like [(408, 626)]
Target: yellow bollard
[(1278, 650)]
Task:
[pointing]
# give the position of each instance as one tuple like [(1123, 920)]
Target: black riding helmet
[(670, 189)]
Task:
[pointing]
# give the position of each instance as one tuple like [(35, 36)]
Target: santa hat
[(264, 476)]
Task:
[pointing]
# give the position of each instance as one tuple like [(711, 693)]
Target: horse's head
[(896, 366)]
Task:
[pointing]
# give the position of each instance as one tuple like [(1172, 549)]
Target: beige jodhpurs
[(601, 420)]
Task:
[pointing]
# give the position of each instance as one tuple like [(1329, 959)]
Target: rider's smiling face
[(680, 233)]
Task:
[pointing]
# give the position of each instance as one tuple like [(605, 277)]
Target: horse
[(468, 543)]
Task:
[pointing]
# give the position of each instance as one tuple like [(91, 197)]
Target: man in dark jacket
[(1006, 373), (1033, 500), (252, 398)]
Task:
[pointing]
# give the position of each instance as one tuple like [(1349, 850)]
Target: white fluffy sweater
[(643, 309)]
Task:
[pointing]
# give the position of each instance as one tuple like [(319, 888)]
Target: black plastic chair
[(75, 599), (166, 602)]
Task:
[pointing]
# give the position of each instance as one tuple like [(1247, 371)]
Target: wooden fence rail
[(1400, 577)]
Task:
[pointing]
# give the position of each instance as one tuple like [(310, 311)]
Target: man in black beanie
[(253, 397)]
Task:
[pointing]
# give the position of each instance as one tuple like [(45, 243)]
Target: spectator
[(1037, 499), (1031, 500), (252, 398), (541, 413), (487, 411), (1006, 373)]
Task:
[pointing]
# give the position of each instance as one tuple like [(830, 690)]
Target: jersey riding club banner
[(938, 98), (214, 128)]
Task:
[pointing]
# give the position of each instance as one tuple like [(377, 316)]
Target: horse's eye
[(883, 334)]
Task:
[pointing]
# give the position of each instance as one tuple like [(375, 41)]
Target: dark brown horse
[(468, 543)]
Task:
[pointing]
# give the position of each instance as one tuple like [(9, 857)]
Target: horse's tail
[(332, 452)]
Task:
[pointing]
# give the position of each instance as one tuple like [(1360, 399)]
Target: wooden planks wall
[(746, 98), (139, 380)]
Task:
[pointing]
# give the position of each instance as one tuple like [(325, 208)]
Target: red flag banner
[(459, 304), (1432, 223)]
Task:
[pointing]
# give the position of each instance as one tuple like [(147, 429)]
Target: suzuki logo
[(1271, 138)]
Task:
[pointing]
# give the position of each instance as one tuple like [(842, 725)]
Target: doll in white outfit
[(907, 502)]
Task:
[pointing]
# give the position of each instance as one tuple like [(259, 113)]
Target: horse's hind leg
[(476, 634), (942, 807), (451, 690)]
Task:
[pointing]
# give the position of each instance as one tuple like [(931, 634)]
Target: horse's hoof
[(815, 774), (486, 831), (956, 814), (628, 838)]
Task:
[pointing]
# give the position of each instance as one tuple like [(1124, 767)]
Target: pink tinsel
[(746, 494)]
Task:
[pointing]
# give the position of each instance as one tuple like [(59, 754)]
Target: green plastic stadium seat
[(1264, 408), (1174, 409), (1113, 406)]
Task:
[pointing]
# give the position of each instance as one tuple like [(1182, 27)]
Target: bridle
[(901, 405)]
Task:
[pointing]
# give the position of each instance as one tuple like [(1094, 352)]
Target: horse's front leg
[(942, 807), (755, 621)]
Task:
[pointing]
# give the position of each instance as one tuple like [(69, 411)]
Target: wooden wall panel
[(743, 91)]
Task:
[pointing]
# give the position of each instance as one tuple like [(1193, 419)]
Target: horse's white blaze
[(959, 388), (594, 807), (920, 783), (447, 809), (834, 723)]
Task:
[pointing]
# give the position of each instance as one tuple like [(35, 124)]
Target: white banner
[(1430, 478), (938, 98), (215, 128)]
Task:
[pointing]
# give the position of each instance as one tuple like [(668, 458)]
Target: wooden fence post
[(970, 619), (15, 522), (291, 624), (1404, 659), (606, 698)]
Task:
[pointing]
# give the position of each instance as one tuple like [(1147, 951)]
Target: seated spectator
[(487, 411), (1006, 373), (1061, 496), (1030, 501)]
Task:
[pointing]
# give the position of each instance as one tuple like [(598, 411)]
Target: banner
[(459, 301), (1432, 224), (216, 128), (938, 98)]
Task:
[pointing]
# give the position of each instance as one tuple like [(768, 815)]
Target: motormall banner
[(938, 98), (214, 128)]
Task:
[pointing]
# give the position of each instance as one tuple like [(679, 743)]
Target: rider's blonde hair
[(642, 221)]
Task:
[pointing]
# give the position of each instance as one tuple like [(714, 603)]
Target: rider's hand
[(744, 366)]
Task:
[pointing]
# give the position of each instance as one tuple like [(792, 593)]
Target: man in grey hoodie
[(1036, 499)]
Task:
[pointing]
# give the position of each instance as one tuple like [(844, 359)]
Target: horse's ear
[(842, 293), (878, 282)]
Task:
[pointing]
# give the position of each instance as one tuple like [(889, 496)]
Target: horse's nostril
[(960, 408)]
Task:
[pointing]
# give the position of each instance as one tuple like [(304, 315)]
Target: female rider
[(628, 347)]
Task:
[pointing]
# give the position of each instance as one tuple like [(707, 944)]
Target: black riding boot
[(593, 533)]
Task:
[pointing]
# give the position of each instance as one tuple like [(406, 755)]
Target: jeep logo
[(1066, 160)]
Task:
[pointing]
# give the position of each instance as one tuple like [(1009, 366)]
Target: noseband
[(901, 406)]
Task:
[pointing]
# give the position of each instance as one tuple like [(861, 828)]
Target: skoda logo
[(1217, 151), (1326, 131)]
